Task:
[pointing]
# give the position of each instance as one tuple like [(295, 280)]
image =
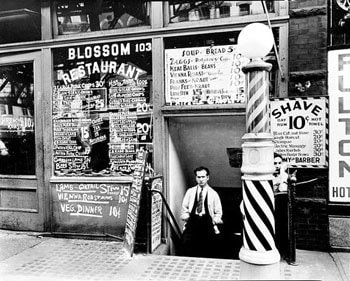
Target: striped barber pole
[(259, 222), (258, 120)]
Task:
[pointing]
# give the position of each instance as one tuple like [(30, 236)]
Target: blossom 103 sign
[(339, 124), (299, 130)]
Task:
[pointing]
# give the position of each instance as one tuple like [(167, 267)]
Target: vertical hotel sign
[(339, 125)]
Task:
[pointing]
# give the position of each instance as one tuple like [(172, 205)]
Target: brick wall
[(308, 62), (311, 210), (308, 47)]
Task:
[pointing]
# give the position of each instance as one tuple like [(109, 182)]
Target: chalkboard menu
[(134, 201), (91, 207), (204, 76), (102, 108)]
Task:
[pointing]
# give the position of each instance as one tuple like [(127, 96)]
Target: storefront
[(100, 81)]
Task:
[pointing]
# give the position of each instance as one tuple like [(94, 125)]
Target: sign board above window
[(204, 75)]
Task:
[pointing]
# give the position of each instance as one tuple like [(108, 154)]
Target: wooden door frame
[(34, 219)]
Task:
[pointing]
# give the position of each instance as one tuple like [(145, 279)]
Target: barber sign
[(299, 128)]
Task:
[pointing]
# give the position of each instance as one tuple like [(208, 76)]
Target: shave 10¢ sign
[(299, 128)]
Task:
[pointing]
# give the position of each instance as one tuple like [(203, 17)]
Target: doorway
[(204, 141), (22, 205)]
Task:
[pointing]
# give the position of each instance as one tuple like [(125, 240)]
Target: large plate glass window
[(17, 142), (79, 16), (102, 107), (20, 21), (340, 22)]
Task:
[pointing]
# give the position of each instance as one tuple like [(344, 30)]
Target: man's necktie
[(200, 202)]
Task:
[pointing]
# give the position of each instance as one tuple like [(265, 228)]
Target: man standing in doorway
[(280, 187), (201, 212)]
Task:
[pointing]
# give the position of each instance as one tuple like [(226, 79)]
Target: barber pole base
[(259, 256), (259, 272)]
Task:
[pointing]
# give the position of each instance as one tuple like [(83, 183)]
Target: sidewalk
[(30, 257)]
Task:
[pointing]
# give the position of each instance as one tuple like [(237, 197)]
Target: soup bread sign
[(339, 124), (299, 131)]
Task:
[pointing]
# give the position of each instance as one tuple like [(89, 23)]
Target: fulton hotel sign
[(339, 125)]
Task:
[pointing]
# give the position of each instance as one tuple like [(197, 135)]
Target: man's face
[(278, 163), (202, 178)]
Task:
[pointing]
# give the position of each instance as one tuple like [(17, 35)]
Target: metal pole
[(291, 230), (259, 256), (148, 186)]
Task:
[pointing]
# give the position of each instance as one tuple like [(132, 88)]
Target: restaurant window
[(204, 70), (85, 16), (180, 11), (20, 21), (17, 144), (102, 108)]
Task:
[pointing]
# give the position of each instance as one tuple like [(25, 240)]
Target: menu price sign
[(130, 128), (108, 84), (83, 203), (68, 154), (299, 131), (134, 201), (204, 75), (156, 215), (70, 102)]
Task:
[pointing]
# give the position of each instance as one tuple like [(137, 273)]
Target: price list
[(73, 101), (130, 125), (204, 75), (67, 151), (299, 130)]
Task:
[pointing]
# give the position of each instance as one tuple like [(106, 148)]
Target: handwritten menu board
[(299, 130), (102, 108), (66, 149), (204, 75), (90, 207), (130, 127), (156, 213), (70, 102), (134, 202), (90, 123)]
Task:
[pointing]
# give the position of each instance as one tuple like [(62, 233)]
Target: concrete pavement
[(31, 257)]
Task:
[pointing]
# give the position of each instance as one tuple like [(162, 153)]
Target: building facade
[(86, 85)]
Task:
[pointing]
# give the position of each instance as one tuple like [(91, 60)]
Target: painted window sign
[(339, 124), (299, 127), (204, 75), (17, 119), (102, 112)]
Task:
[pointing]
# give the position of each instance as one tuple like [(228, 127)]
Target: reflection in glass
[(85, 16), (201, 10), (17, 145), (20, 21)]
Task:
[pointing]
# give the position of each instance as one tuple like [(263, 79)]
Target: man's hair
[(275, 155), (201, 168)]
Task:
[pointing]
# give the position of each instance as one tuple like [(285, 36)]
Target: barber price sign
[(339, 125), (299, 131)]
